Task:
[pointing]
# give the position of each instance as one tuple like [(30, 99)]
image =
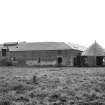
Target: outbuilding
[(93, 56)]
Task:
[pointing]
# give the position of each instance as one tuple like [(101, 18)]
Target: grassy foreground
[(52, 86)]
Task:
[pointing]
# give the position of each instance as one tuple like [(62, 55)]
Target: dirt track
[(52, 86)]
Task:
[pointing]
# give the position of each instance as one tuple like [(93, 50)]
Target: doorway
[(77, 61), (99, 60), (59, 60)]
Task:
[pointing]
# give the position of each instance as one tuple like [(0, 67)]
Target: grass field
[(52, 86)]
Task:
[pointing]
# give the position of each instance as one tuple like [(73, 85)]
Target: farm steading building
[(50, 54)]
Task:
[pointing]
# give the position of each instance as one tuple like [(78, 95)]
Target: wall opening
[(77, 61), (59, 60), (4, 52), (39, 60), (84, 61), (14, 58), (99, 60)]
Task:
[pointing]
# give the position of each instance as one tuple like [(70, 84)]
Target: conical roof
[(94, 50)]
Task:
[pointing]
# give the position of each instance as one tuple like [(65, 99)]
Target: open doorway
[(77, 61), (99, 60), (59, 60)]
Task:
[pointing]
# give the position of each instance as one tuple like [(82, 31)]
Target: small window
[(4, 52), (14, 58), (38, 60)]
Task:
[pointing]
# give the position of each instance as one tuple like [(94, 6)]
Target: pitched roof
[(40, 46), (94, 50), (77, 47), (10, 43)]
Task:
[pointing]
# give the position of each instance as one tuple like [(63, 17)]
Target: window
[(14, 58), (4, 52), (38, 60)]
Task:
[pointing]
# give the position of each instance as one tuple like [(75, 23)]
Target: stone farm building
[(51, 54), (39, 54)]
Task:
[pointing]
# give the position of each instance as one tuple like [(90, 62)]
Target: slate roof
[(94, 50), (10, 43), (40, 46)]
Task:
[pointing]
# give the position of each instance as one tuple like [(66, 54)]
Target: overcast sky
[(78, 21)]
